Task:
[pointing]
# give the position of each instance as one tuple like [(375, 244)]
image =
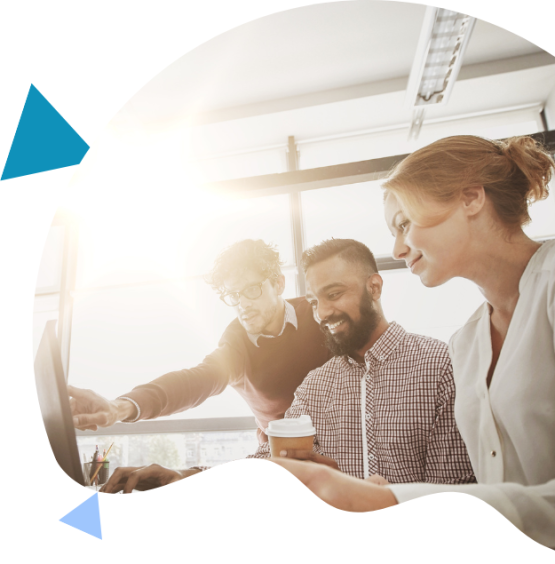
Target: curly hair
[(248, 254)]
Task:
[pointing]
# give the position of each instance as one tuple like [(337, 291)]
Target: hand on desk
[(90, 410), (338, 489), (144, 478)]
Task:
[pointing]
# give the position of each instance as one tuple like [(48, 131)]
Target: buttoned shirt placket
[(364, 417), (371, 381), (367, 419), (380, 416)]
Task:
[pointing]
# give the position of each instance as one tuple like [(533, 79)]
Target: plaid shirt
[(409, 432)]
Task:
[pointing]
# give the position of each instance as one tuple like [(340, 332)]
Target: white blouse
[(509, 429)]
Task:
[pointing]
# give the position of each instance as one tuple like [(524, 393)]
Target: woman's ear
[(473, 199)]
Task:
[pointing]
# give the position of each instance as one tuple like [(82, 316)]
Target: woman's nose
[(400, 248)]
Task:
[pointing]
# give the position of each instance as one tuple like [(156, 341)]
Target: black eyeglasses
[(251, 293)]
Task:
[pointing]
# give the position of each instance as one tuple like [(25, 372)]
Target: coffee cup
[(285, 434)]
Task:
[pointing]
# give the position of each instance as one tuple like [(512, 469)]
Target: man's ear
[(473, 199), (374, 285), (280, 284)]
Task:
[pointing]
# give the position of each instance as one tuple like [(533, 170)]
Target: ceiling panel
[(306, 50)]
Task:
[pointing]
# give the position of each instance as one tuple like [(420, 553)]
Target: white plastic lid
[(300, 427)]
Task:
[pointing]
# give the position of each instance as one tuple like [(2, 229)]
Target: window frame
[(212, 424), (296, 180)]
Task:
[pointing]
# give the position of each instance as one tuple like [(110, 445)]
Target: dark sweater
[(266, 376)]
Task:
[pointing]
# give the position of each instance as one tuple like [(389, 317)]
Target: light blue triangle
[(85, 517), (43, 141)]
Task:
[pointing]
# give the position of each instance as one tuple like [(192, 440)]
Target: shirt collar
[(384, 346), (387, 343), (289, 317)]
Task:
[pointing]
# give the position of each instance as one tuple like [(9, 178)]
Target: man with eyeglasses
[(382, 407), (264, 354)]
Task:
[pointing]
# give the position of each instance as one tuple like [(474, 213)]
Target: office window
[(154, 241), (173, 450), (542, 214), (354, 211), (435, 312)]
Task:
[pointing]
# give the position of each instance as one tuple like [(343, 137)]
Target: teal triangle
[(85, 517), (43, 141)]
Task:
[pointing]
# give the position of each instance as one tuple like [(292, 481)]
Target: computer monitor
[(54, 404)]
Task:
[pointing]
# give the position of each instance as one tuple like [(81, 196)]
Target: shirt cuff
[(136, 406)]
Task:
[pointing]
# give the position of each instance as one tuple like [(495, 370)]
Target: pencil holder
[(101, 469)]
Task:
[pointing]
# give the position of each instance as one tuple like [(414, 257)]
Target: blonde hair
[(514, 174)]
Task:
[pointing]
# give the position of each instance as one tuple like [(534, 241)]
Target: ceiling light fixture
[(439, 55)]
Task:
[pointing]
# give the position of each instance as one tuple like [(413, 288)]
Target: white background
[(88, 59)]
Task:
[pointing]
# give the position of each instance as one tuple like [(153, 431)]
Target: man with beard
[(383, 406)]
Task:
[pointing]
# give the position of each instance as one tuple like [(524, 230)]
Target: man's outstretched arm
[(172, 393), (90, 410)]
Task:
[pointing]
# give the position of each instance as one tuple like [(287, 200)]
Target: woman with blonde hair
[(457, 208)]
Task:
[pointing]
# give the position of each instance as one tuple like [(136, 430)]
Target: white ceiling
[(344, 48)]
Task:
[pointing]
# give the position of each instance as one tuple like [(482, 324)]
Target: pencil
[(100, 465)]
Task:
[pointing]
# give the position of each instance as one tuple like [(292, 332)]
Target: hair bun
[(514, 173), (533, 161)]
